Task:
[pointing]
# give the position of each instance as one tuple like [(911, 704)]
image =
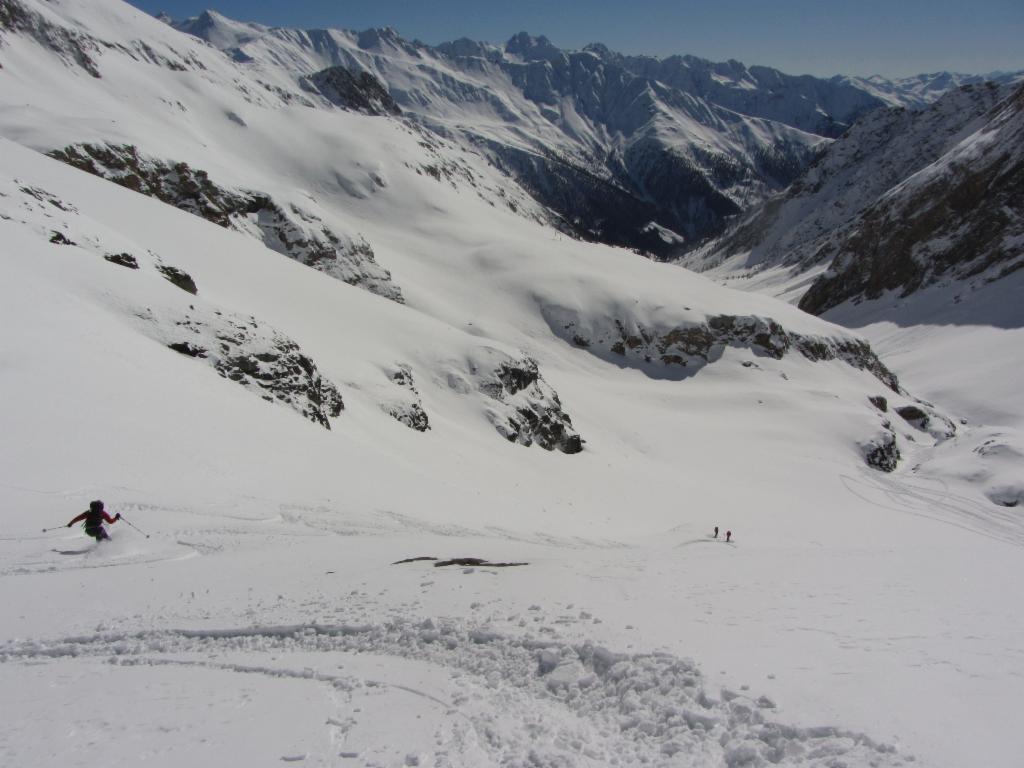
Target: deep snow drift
[(283, 434)]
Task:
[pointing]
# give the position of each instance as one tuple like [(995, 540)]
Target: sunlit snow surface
[(857, 618)]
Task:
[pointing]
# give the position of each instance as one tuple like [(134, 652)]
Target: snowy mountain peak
[(532, 48), (219, 30)]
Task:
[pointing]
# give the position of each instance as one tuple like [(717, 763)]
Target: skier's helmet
[(96, 506)]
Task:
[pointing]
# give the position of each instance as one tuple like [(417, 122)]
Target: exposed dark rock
[(880, 403), (59, 238), (408, 412), (186, 348), (295, 233), (412, 415), (532, 412), (914, 415), (474, 561), (882, 453), (179, 278), (259, 358), (362, 92), (694, 346), (74, 47), (123, 260), (43, 196), (463, 561)]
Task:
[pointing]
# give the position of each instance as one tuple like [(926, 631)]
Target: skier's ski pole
[(123, 520), (56, 528)]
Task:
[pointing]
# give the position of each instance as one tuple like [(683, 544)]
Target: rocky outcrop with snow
[(255, 356), (298, 234), (362, 91), (527, 410), (687, 348), (407, 409)]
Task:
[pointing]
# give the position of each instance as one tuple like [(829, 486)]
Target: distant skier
[(716, 532), (728, 536), (94, 519)]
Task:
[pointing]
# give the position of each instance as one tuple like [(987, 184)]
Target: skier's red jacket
[(106, 518)]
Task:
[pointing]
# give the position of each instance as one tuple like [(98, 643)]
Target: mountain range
[(650, 153)]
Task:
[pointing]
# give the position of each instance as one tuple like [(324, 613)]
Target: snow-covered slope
[(284, 431)]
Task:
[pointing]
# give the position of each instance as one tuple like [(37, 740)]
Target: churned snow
[(254, 616)]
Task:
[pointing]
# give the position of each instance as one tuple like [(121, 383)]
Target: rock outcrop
[(882, 452), (525, 409), (408, 409), (689, 347), (289, 230), (359, 92), (255, 356)]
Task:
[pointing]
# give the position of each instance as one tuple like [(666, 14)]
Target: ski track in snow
[(528, 702), (938, 503)]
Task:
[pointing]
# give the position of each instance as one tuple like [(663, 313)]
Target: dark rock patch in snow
[(527, 410), (257, 357), (880, 403), (882, 453), (687, 348), (361, 92), (73, 47), (124, 260), (179, 278), (926, 418), (408, 410), (463, 561), (474, 561)]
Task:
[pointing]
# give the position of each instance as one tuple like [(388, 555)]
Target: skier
[(94, 518), (716, 532), (728, 536)]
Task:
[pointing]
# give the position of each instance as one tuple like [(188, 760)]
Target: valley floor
[(257, 633)]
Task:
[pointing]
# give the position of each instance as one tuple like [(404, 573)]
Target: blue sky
[(861, 37)]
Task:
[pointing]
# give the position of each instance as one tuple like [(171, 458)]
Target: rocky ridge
[(958, 222), (686, 348), (902, 201), (298, 234), (877, 153)]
